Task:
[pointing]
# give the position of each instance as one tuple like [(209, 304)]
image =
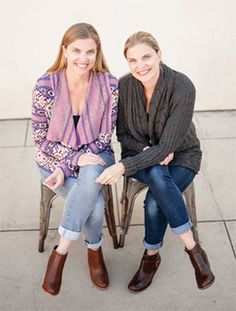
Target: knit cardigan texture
[(167, 128)]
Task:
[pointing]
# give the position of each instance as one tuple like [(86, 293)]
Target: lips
[(143, 72), (82, 66)]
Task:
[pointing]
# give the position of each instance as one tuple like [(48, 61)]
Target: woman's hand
[(55, 180), (90, 159), (111, 174), (167, 160)]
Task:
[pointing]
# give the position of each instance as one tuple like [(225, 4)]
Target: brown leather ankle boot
[(204, 277), (52, 279), (143, 277), (97, 268)]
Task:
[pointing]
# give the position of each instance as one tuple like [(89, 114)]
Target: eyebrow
[(131, 58), (91, 50), (147, 54)]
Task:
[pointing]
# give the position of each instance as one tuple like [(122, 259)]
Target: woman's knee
[(159, 177), (109, 158), (89, 173)]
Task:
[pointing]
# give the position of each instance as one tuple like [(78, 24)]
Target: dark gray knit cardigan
[(167, 128)]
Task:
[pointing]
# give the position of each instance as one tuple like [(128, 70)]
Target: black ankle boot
[(204, 276), (143, 277)]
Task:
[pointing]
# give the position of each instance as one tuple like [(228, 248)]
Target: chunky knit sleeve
[(177, 124)]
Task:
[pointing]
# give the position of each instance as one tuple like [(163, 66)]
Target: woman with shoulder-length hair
[(159, 148), (73, 117)]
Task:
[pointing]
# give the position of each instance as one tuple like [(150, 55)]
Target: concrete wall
[(196, 37)]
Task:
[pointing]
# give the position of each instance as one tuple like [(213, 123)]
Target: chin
[(143, 79), (82, 72)]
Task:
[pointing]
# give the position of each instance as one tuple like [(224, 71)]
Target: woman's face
[(144, 63), (81, 55)]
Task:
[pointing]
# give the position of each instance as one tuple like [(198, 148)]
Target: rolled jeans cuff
[(68, 234), (152, 246), (183, 228), (94, 246)]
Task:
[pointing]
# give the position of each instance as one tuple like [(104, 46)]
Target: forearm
[(173, 134), (149, 157)]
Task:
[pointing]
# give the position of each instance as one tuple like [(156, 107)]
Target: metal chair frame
[(46, 202), (132, 188)]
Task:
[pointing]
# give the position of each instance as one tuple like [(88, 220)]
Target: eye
[(146, 56), (131, 61), (91, 52)]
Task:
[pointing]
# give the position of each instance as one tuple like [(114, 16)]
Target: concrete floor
[(22, 267)]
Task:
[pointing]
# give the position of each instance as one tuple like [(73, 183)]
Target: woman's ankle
[(151, 252), (63, 246), (61, 251), (188, 240), (190, 246)]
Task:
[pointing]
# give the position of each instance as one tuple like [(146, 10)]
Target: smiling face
[(144, 63), (81, 56)]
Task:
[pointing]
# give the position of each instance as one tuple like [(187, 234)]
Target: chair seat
[(132, 187)]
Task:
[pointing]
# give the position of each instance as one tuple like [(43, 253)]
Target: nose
[(83, 57), (140, 64)]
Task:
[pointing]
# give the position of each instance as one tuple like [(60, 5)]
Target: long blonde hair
[(75, 32), (139, 38)]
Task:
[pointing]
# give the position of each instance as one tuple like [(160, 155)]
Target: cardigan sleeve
[(177, 124), (67, 158)]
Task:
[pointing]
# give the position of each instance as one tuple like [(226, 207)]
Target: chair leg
[(47, 197), (189, 195), (109, 214), (131, 189)]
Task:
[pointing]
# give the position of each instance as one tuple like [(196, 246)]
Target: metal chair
[(47, 198), (131, 188)]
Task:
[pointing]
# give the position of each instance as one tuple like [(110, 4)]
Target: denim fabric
[(164, 202), (84, 203)]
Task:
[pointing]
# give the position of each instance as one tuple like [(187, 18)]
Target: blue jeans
[(84, 203), (164, 202)]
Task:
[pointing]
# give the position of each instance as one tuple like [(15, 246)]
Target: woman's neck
[(74, 79)]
